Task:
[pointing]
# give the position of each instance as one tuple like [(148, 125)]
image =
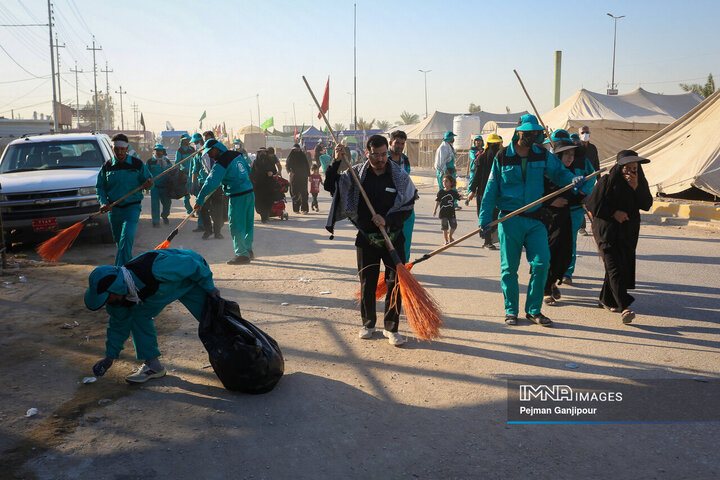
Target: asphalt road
[(351, 408)]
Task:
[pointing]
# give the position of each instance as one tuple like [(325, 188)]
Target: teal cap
[(212, 143), (184, 136), (158, 146), (528, 123), (99, 284), (196, 138), (449, 136), (477, 137)]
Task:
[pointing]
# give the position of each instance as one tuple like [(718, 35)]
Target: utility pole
[(95, 77), (425, 72), (52, 67), (135, 112), (122, 119), (77, 94), (613, 90), (107, 95), (258, 105), (355, 62), (57, 56)]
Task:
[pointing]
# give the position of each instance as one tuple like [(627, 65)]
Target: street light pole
[(612, 82), (425, 72)]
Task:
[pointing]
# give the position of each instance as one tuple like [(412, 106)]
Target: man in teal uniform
[(397, 145), (234, 177), (517, 179), (158, 195), (116, 178), (197, 173), (136, 293), (181, 154), (475, 151)]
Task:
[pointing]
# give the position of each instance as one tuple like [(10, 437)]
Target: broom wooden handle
[(164, 172), (388, 243), (509, 215), (174, 233), (534, 109)]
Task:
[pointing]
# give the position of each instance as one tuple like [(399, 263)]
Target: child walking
[(446, 199), (315, 180)]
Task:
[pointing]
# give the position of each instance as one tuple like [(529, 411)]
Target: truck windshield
[(28, 156)]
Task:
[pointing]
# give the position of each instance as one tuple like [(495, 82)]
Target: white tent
[(618, 121), (686, 153), (435, 125)]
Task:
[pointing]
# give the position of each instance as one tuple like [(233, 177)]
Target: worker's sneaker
[(394, 338), (166, 221), (366, 333), (144, 374), (567, 280), (239, 260), (207, 235), (252, 254)]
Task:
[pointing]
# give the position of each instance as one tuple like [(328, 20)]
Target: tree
[(363, 125), (338, 126), (106, 112), (474, 108), (383, 124), (702, 90), (409, 118)]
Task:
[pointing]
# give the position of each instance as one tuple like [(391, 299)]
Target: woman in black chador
[(615, 204)]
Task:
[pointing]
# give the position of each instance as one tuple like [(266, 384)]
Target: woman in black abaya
[(615, 204)]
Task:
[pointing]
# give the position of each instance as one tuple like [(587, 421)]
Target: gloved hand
[(578, 182), (102, 366)]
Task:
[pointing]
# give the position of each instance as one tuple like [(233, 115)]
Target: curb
[(688, 211)]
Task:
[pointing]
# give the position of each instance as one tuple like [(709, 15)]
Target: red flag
[(326, 99), (295, 136)]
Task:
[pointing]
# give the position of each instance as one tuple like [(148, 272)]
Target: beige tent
[(686, 153), (618, 121)]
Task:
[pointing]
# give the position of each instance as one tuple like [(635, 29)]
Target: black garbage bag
[(176, 184), (244, 358)]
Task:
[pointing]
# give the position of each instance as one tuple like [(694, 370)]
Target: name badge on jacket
[(390, 189)]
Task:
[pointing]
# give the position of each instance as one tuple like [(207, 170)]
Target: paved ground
[(348, 407)]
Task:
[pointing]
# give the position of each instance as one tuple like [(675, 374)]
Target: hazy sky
[(178, 58)]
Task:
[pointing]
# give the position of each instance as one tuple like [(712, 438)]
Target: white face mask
[(585, 137)]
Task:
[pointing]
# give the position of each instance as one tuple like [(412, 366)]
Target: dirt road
[(349, 408)]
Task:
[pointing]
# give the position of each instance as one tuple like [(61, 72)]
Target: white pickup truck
[(47, 183)]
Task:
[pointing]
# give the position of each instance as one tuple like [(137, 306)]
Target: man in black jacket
[(298, 170), (393, 196)]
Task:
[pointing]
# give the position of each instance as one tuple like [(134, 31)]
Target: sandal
[(511, 319), (627, 316), (540, 319), (612, 309), (549, 300)]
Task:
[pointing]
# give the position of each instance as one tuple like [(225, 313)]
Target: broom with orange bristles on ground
[(52, 249), (173, 234), (423, 312)]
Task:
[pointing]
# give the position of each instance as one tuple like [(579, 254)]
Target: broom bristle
[(381, 289), (163, 245), (423, 312), (52, 249)]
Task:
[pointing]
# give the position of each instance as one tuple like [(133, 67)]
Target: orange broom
[(173, 234), (52, 249), (423, 312)]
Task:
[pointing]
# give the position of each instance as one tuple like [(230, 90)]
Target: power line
[(25, 94), (16, 63), (24, 80)]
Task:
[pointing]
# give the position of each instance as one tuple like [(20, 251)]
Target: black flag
[(142, 121)]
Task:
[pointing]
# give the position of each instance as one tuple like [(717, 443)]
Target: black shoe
[(567, 281), (198, 229), (206, 235), (511, 319), (219, 236), (166, 221), (491, 246), (556, 292), (239, 260), (252, 255), (540, 319)]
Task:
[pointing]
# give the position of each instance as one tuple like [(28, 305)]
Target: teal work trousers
[(140, 321), (576, 217), (514, 234), (408, 227), (242, 223), (123, 223), (158, 198)]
